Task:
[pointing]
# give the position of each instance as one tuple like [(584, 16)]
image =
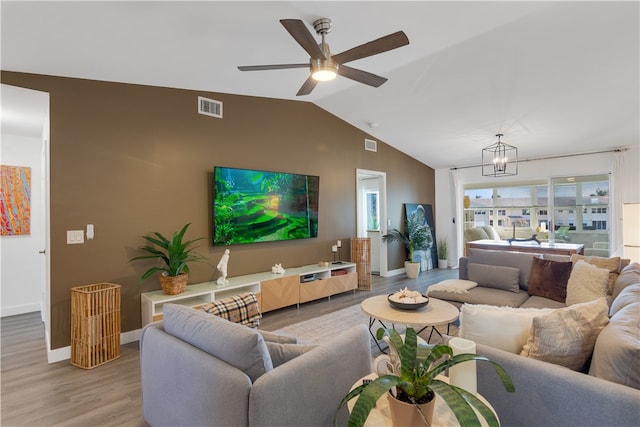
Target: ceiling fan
[(325, 66)]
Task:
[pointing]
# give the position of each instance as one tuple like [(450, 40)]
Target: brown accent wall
[(132, 159)]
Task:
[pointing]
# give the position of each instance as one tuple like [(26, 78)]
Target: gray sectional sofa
[(606, 393), (201, 370)]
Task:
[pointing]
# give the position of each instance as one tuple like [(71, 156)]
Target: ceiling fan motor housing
[(322, 25)]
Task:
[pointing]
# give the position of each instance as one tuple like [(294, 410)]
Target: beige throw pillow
[(610, 264), (586, 283), (505, 328), (567, 336)]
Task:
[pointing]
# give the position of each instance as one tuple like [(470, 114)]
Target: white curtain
[(617, 173), (458, 208)]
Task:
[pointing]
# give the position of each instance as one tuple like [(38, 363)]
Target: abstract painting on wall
[(15, 200)]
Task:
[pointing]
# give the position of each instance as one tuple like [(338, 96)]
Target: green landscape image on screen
[(259, 206)]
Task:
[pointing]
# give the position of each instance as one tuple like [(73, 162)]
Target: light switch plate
[(75, 237)]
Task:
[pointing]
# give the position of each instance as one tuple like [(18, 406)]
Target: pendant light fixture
[(500, 159)]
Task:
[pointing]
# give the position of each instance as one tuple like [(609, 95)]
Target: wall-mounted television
[(261, 206)]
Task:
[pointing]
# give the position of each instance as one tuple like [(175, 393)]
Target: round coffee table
[(437, 312)]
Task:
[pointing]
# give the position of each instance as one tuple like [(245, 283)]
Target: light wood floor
[(34, 393)]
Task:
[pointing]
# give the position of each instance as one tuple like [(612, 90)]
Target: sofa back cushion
[(616, 356), (629, 295), (520, 260), (493, 276), (628, 276), (239, 346), (549, 279)]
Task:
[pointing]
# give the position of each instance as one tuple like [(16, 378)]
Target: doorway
[(371, 215), (24, 258)]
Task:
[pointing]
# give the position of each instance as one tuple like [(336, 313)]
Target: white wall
[(21, 264), (449, 204)]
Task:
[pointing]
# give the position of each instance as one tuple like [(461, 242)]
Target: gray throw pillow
[(493, 276), (238, 345)]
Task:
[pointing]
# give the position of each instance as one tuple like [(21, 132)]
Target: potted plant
[(415, 236), (175, 255), (442, 253), (415, 380)]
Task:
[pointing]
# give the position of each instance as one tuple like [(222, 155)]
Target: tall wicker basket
[(95, 324), (361, 256)]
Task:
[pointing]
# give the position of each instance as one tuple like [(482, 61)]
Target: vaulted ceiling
[(554, 77)]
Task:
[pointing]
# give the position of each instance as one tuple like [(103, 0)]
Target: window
[(576, 208), (372, 210)]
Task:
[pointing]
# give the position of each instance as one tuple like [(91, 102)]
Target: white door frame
[(382, 200)]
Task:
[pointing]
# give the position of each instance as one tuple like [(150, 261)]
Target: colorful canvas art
[(15, 200)]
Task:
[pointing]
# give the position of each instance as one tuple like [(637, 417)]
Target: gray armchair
[(198, 369)]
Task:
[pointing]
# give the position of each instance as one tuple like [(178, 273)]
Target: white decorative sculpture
[(277, 269), (222, 268)]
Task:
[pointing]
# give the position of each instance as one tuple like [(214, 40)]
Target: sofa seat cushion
[(616, 356), (519, 260), (505, 328), (567, 335), (541, 302), (483, 295), (549, 279), (586, 283), (239, 346), (494, 276)]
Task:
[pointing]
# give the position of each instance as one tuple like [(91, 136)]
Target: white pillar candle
[(464, 374), (334, 248), (339, 243)]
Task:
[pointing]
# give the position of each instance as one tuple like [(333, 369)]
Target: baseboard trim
[(19, 309), (64, 353), (395, 272)]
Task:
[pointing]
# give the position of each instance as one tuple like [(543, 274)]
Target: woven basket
[(174, 285)]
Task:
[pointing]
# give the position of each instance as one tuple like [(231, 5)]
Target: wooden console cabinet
[(274, 291)]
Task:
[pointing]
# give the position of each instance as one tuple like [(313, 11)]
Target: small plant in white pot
[(442, 254), (416, 382)]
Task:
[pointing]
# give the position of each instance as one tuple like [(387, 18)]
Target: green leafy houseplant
[(416, 235), (175, 253), (416, 382), (442, 249)]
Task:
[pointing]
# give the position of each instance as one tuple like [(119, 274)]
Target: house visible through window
[(576, 208)]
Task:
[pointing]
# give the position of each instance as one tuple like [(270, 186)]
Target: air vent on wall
[(370, 145), (209, 107)]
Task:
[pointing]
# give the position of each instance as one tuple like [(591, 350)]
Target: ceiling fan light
[(324, 74)]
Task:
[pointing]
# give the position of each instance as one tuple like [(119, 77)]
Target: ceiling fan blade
[(302, 35), (271, 67), (307, 87), (361, 76), (383, 44)]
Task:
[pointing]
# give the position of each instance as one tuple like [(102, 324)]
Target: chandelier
[(499, 159)]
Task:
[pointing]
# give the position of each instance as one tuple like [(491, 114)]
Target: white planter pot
[(443, 263), (412, 269)]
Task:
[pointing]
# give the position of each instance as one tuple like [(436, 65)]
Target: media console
[(274, 291)]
